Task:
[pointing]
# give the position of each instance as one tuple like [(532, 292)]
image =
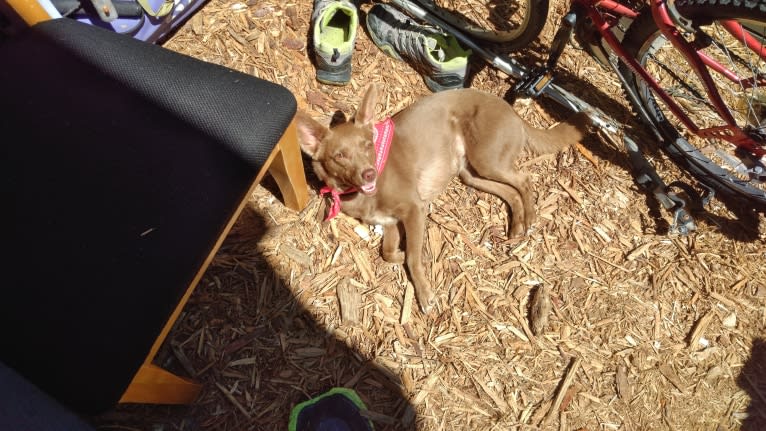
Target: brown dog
[(463, 132)]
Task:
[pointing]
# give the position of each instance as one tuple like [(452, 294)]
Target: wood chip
[(292, 17), (672, 377), (409, 294), (362, 260), (292, 43), (497, 399), (586, 153), (639, 251), (350, 301), (624, 389), (233, 400), (553, 411), (540, 309), (571, 192), (602, 233), (296, 255), (179, 353), (699, 329), (426, 387)]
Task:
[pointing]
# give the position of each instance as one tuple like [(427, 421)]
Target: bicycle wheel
[(715, 162), (514, 23)]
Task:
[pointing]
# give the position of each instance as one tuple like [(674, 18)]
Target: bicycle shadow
[(257, 351), (752, 379), (743, 225)]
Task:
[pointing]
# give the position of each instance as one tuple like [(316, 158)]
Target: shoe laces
[(412, 40)]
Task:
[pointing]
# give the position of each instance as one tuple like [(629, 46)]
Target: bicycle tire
[(712, 162), (513, 23)]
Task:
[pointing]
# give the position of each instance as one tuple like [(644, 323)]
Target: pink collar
[(382, 135)]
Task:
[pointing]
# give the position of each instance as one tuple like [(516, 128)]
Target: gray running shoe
[(436, 56), (333, 27)]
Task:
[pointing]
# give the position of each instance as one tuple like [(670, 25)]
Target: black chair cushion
[(122, 162)]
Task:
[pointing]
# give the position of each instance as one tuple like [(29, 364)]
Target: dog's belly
[(436, 176), (381, 219), (431, 184)]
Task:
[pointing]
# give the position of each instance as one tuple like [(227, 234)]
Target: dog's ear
[(366, 112), (310, 133), (338, 117)]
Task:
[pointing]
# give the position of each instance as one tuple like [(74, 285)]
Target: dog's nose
[(369, 175)]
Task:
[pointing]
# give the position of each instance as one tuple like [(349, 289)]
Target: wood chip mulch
[(634, 328)]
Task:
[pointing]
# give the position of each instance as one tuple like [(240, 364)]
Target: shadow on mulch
[(752, 380), (244, 314)]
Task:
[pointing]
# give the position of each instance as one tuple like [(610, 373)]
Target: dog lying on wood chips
[(386, 173)]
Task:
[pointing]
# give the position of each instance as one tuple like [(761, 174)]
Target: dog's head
[(343, 156)]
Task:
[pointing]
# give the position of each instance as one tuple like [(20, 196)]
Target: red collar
[(382, 135)]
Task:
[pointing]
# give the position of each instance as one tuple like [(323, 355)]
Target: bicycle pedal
[(535, 83)]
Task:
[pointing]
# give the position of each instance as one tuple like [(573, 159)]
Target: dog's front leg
[(414, 228), (392, 239)]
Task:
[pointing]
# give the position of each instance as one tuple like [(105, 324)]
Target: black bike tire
[(538, 15), (682, 152), (536, 18)]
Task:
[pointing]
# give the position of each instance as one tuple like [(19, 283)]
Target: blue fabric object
[(338, 409), (25, 407)]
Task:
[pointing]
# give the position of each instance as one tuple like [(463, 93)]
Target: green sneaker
[(436, 56), (338, 409), (333, 24)]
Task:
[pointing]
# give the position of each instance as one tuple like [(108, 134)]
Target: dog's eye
[(340, 155)]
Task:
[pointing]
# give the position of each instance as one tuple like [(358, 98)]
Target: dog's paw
[(426, 309), (517, 231), (394, 256), (426, 299)]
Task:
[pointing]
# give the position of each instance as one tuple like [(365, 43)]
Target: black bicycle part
[(535, 82), (525, 33)]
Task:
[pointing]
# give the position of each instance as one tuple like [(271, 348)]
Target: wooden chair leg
[(287, 169), (30, 11), (153, 385)]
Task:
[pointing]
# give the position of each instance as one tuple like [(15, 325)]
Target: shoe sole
[(340, 77)]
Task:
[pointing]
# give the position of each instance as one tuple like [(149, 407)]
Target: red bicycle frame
[(605, 15)]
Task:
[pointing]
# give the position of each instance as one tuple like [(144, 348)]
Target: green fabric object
[(338, 408), (336, 28), (333, 32)]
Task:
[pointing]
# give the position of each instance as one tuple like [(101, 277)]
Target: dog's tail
[(560, 136)]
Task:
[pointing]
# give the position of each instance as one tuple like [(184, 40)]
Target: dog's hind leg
[(510, 195), (518, 181), (414, 229)]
